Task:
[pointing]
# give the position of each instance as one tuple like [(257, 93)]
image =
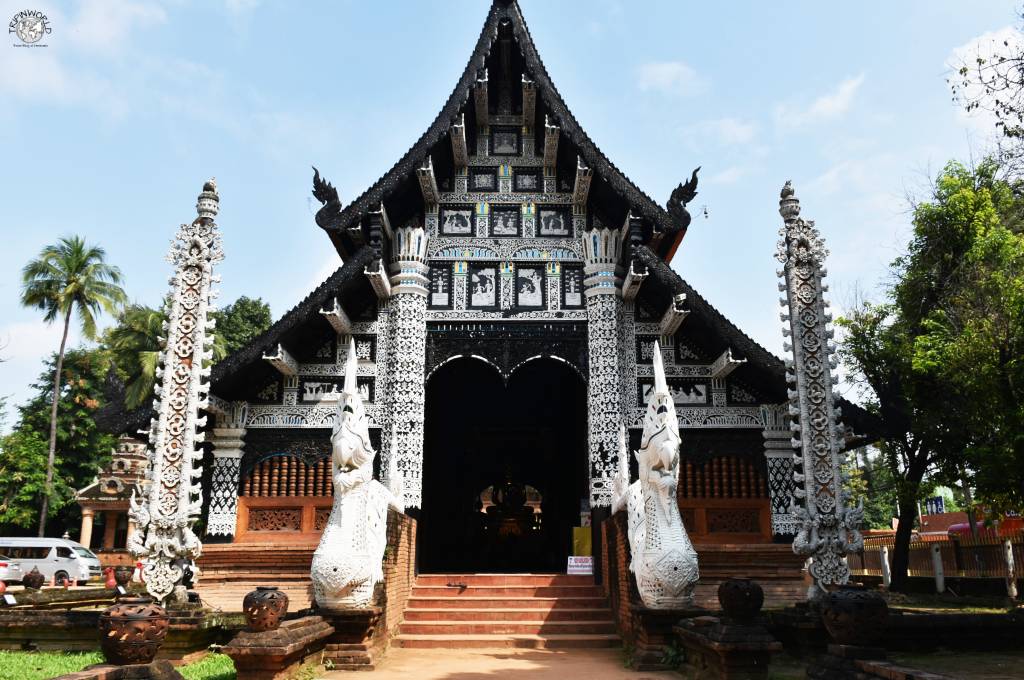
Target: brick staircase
[(773, 566), (507, 610), (230, 570)]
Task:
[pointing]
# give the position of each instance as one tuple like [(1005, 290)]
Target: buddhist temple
[(506, 287)]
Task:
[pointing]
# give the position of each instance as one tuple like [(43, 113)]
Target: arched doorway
[(504, 466)]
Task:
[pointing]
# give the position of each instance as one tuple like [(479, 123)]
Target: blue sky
[(111, 129)]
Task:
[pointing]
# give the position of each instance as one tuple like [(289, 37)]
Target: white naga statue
[(663, 559), (347, 563)]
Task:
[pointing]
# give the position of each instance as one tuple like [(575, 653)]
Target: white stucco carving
[(664, 562), (171, 495), (347, 563)]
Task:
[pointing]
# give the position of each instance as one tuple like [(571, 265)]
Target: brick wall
[(618, 582), (399, 569)]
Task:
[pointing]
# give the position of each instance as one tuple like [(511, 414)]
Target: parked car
[(56, 558), (10, 570)]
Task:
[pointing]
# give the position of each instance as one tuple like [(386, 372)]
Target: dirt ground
[(506, 664)]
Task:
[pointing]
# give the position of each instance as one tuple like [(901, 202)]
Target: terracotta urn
[(132, 631), (33, 579), (264, 608), (123, 575), (3, 587), (109, 580), (855, 616), (741, 599)]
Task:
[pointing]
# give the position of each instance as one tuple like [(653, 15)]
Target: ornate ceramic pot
[(132, 630), (855, 616), (123, 575), (264, 608), (741, 599), (33, 579)]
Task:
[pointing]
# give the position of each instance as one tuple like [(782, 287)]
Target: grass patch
[(962, 664), (210, 667), (44, 665)]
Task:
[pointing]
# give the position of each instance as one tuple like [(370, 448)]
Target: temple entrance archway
[(504, 466)]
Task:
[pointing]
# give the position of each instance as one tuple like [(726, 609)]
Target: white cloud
[(105, 26), (241, 6), (669, 77), (988, 46), (828, 106), (727, 130), (729, 176)]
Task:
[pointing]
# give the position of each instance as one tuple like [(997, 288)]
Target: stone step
[(507, 627), (483, 614), (469, 602), (505, 641), (507, 591)]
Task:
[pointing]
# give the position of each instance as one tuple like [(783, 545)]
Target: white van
[(57, 559)]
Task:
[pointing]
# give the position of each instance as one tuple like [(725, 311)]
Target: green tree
[(23, 477), (67, 277), (135, 341), (135, 344), (903, 351), (82, 447), (241, 321)]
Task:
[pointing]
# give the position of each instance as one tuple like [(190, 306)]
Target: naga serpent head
[(350, 438)]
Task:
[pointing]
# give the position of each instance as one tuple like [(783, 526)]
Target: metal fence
[(987, 556)]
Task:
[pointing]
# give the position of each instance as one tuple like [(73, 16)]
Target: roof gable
[(664, 228)]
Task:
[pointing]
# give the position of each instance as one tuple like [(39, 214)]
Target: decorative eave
[(341, 223)]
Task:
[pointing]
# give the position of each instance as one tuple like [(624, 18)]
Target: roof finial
[(208, 204), (789, 205)]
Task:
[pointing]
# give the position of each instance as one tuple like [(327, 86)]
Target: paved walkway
[(506, 664)]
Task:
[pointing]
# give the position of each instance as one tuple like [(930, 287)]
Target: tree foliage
[(241, 321), (135, 341), (82, 449), (939, 358)]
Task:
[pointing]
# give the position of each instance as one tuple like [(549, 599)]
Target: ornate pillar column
[(827, 528), (778, 453), (172, 493), (602, 248), (408, 345), (85, 535), (228, 441)]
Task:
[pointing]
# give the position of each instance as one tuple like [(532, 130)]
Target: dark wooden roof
[(336, 223)]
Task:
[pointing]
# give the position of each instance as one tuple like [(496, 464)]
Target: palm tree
[(135, 343), (68, 276)]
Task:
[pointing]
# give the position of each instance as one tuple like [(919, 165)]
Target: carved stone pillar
[(228, 441), (407, 347), (778, 453), (603, 280), (172, 493), (827, 527)]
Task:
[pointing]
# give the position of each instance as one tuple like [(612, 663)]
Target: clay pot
[(33, 579), (741, 599), (132, 630), (110, 581), (264, 608), (855, 616), (3, 587), (123, 575)]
